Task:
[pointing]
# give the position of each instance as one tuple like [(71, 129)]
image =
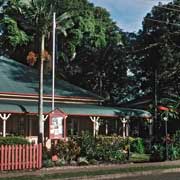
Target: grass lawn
[(139, 157), (91, 173)]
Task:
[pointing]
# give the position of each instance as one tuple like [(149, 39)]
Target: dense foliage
[(93, 52), (85, 149), (103, 148), (89, 45), (155, 52), (12, 140)]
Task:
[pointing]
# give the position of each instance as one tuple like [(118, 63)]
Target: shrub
[(48, 163), (60, 149), (46, 154), (173, 152), (82, 161), (93, 161), (117, 156), (60, 162), (13, 140), (157, 152), (87, 145), (101, 148), (66, 150), (110, 148), (137, 146), (73, 150), (176, 139), (176, 143)]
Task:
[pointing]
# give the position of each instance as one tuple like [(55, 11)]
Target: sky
[(128, 13)]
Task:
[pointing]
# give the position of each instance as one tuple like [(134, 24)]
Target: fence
[(17, 157)]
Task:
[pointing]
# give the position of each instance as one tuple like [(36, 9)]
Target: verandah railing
[(17, 157)]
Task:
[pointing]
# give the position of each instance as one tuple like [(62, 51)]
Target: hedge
[(13, 140)]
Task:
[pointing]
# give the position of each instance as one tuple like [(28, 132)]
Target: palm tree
[(173, 104), (40, 12)]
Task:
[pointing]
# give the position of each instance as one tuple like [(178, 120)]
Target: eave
[(47, 98)]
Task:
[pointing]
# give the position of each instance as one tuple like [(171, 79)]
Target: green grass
[(91, 173), (139, 157)]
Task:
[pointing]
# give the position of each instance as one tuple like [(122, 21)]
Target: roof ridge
[(21, 78)]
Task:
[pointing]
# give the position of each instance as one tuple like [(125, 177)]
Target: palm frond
[(63, 17)]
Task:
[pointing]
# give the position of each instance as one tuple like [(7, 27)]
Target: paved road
[(165, 176)]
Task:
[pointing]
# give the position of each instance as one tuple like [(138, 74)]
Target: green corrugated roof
[(11, 108), (18, 78), (74, 109)]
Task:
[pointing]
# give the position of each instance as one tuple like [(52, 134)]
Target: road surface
[(164, 176)]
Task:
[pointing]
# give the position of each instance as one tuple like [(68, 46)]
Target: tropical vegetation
[(94, 53)]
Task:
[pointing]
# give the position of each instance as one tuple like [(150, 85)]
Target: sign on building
[(57, 125)]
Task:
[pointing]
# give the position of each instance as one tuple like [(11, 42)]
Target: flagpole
[(53, 59)]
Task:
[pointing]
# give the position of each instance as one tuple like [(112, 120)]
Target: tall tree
[(99, 52), (156, 55), (41, 13), (157, 48), (91, 53), (38, 14)]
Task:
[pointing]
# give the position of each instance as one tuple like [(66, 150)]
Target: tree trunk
[(155, 102), (41, 128)]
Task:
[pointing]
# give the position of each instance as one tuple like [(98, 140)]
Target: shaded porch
[(23, 119)]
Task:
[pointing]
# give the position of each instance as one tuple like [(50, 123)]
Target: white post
[(53, 59), (4, 127), (44, 117), (96, 125), (127, 129), (40, 111), (150, 127), (127, 125), (4, 117), (106, 126), (124, 130), (124, 121)]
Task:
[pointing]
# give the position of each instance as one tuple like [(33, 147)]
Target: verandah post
[(4, 117)]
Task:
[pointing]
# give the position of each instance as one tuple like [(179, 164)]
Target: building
[(79, 109)]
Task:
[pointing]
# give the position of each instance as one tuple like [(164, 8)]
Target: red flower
[(162, 108), (31, 58)]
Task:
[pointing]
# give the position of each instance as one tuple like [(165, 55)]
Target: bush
[(82, 161), (66, 150), (176, 139), (102, 148), (61, 162), (48, 163), (137, 146), (117, 156), (13, 140), (93, 162), (87, 145), (110, 148), (176, 144), (157, 152), (173, 152), (46, 154)]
